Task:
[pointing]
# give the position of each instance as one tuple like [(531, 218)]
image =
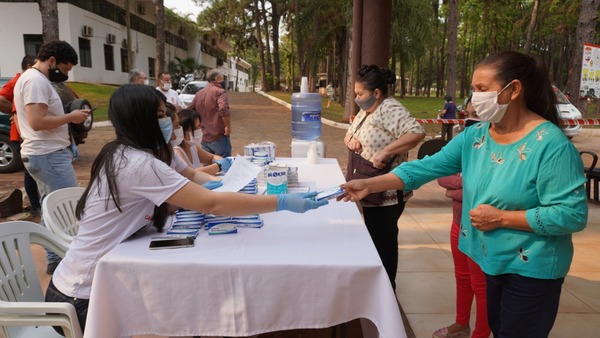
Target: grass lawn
[(97, 94)]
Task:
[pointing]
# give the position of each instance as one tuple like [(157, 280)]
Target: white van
[(566, 110)]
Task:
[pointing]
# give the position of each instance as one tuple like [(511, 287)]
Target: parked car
[(187, 94), (566, 110), (10, 159)]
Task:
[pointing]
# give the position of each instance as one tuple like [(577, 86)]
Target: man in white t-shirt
[(165, 85), (43, 124)]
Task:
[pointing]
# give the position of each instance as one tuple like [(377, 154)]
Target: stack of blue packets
[(187, 223), (250, 188), (251, 221)]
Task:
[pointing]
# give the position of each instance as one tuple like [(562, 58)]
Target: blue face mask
[(166, 128)]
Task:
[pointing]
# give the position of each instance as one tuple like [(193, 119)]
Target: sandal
[(443, 333)]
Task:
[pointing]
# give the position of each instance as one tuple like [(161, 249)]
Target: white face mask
[(487, 107), (167, 85), (178, 137), (196, 138), (146, 82)]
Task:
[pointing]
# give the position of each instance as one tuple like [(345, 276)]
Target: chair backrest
[(594, 160), (19, 280), (430, 147), (58, 209)]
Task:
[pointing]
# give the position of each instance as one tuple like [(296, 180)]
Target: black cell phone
[(172, 243), (92, 110)]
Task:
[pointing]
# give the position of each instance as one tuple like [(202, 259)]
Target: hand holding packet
[(329, 194), (299, 202)]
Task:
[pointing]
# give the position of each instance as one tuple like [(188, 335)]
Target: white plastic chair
[(58, 208), (23, 312)]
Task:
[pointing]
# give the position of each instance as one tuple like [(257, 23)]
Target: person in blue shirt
[(523, 192), (448, 113)]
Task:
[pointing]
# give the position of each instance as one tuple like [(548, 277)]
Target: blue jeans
[(521, 306), (51, 172), (30, 186), (221, 147)]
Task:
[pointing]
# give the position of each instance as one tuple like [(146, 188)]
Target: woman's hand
[(381, 159), (354, 145), (354, 190), (485, 217), (449, 193)]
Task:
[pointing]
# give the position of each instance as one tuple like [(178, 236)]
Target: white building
[(98, 32)]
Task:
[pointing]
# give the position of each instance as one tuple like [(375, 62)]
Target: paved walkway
[(425, 277)]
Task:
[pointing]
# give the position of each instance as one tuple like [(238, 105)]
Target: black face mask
[(55, 75), (222, 83)]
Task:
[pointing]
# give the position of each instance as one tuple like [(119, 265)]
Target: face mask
[(487, 107), (167, 85), (55, 75), (366, 103), (146, 82), (178, 136), (166, 128), (197, 137), (222, 83)]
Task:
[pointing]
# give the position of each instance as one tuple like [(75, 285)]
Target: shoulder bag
[(359, 168)]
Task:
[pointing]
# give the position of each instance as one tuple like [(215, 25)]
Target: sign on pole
[(590, 71)]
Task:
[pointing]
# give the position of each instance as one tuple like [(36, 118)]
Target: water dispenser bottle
[(306, 114)]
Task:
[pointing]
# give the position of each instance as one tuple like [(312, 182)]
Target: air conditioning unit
[(87, 31), (111, 39), (141, 9), (124, 44)]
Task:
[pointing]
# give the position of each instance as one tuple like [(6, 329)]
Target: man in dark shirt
[(448, 113)]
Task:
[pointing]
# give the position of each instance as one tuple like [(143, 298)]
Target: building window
[(124, 61), (151, 67), (85, 53), (32, 43), (109, 57)]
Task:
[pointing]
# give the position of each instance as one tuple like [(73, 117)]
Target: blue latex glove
[(299, 202), (225, 164), (211, 185)]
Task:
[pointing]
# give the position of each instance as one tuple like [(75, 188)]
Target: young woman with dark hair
[(189, 146), (132, 180), (382, 132), (523, 192)]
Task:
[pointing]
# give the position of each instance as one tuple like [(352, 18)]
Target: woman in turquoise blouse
[(523, 193)]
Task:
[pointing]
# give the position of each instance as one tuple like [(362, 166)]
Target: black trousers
[(382, 223), (447, 131), (522, 307)]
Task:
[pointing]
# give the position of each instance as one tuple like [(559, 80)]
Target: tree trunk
[(49, 12), (588, 16), (128, 42), (275, 18), (269, 62), (160, 36), (534, 14), (261, 49), (452, 36)]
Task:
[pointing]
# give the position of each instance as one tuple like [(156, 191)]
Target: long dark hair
[(533, 74), (373, 77), (132, 111), (187, 119)]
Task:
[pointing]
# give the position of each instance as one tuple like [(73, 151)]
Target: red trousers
[(470, 282)]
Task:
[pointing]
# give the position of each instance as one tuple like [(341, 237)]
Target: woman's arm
[(401, 145), (356, 190), (195, 197)]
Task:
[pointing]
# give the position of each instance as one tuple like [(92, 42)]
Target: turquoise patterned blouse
[(541, 173)]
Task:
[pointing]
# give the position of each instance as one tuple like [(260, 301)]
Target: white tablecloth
[(311, 270)]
